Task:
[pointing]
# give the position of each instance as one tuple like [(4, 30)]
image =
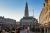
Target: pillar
[(44, 30), (40, 30), (47, 30)]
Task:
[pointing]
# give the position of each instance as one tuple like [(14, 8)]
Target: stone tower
[(26, 10)]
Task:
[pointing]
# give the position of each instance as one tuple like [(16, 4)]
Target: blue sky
[(14, 9)]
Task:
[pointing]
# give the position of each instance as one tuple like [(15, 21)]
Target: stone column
[(40, 30), (44, 30), (47, 30)]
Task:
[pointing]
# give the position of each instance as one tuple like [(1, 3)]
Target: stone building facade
[(7, 23), (44, 18), (45, 13)]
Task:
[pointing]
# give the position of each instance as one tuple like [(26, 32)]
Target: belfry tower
[(26, 10), (27, 20)]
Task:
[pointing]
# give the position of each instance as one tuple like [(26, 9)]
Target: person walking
[(3, 31), (18, 30)]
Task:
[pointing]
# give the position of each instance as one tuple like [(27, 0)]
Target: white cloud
[(37, 17), (8, 13)]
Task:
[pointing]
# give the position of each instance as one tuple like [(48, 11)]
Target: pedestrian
[(3, 31), (0, 31), (18, 30), (25, 30)]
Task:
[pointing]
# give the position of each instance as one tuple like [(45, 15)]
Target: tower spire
[(26, 10)]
